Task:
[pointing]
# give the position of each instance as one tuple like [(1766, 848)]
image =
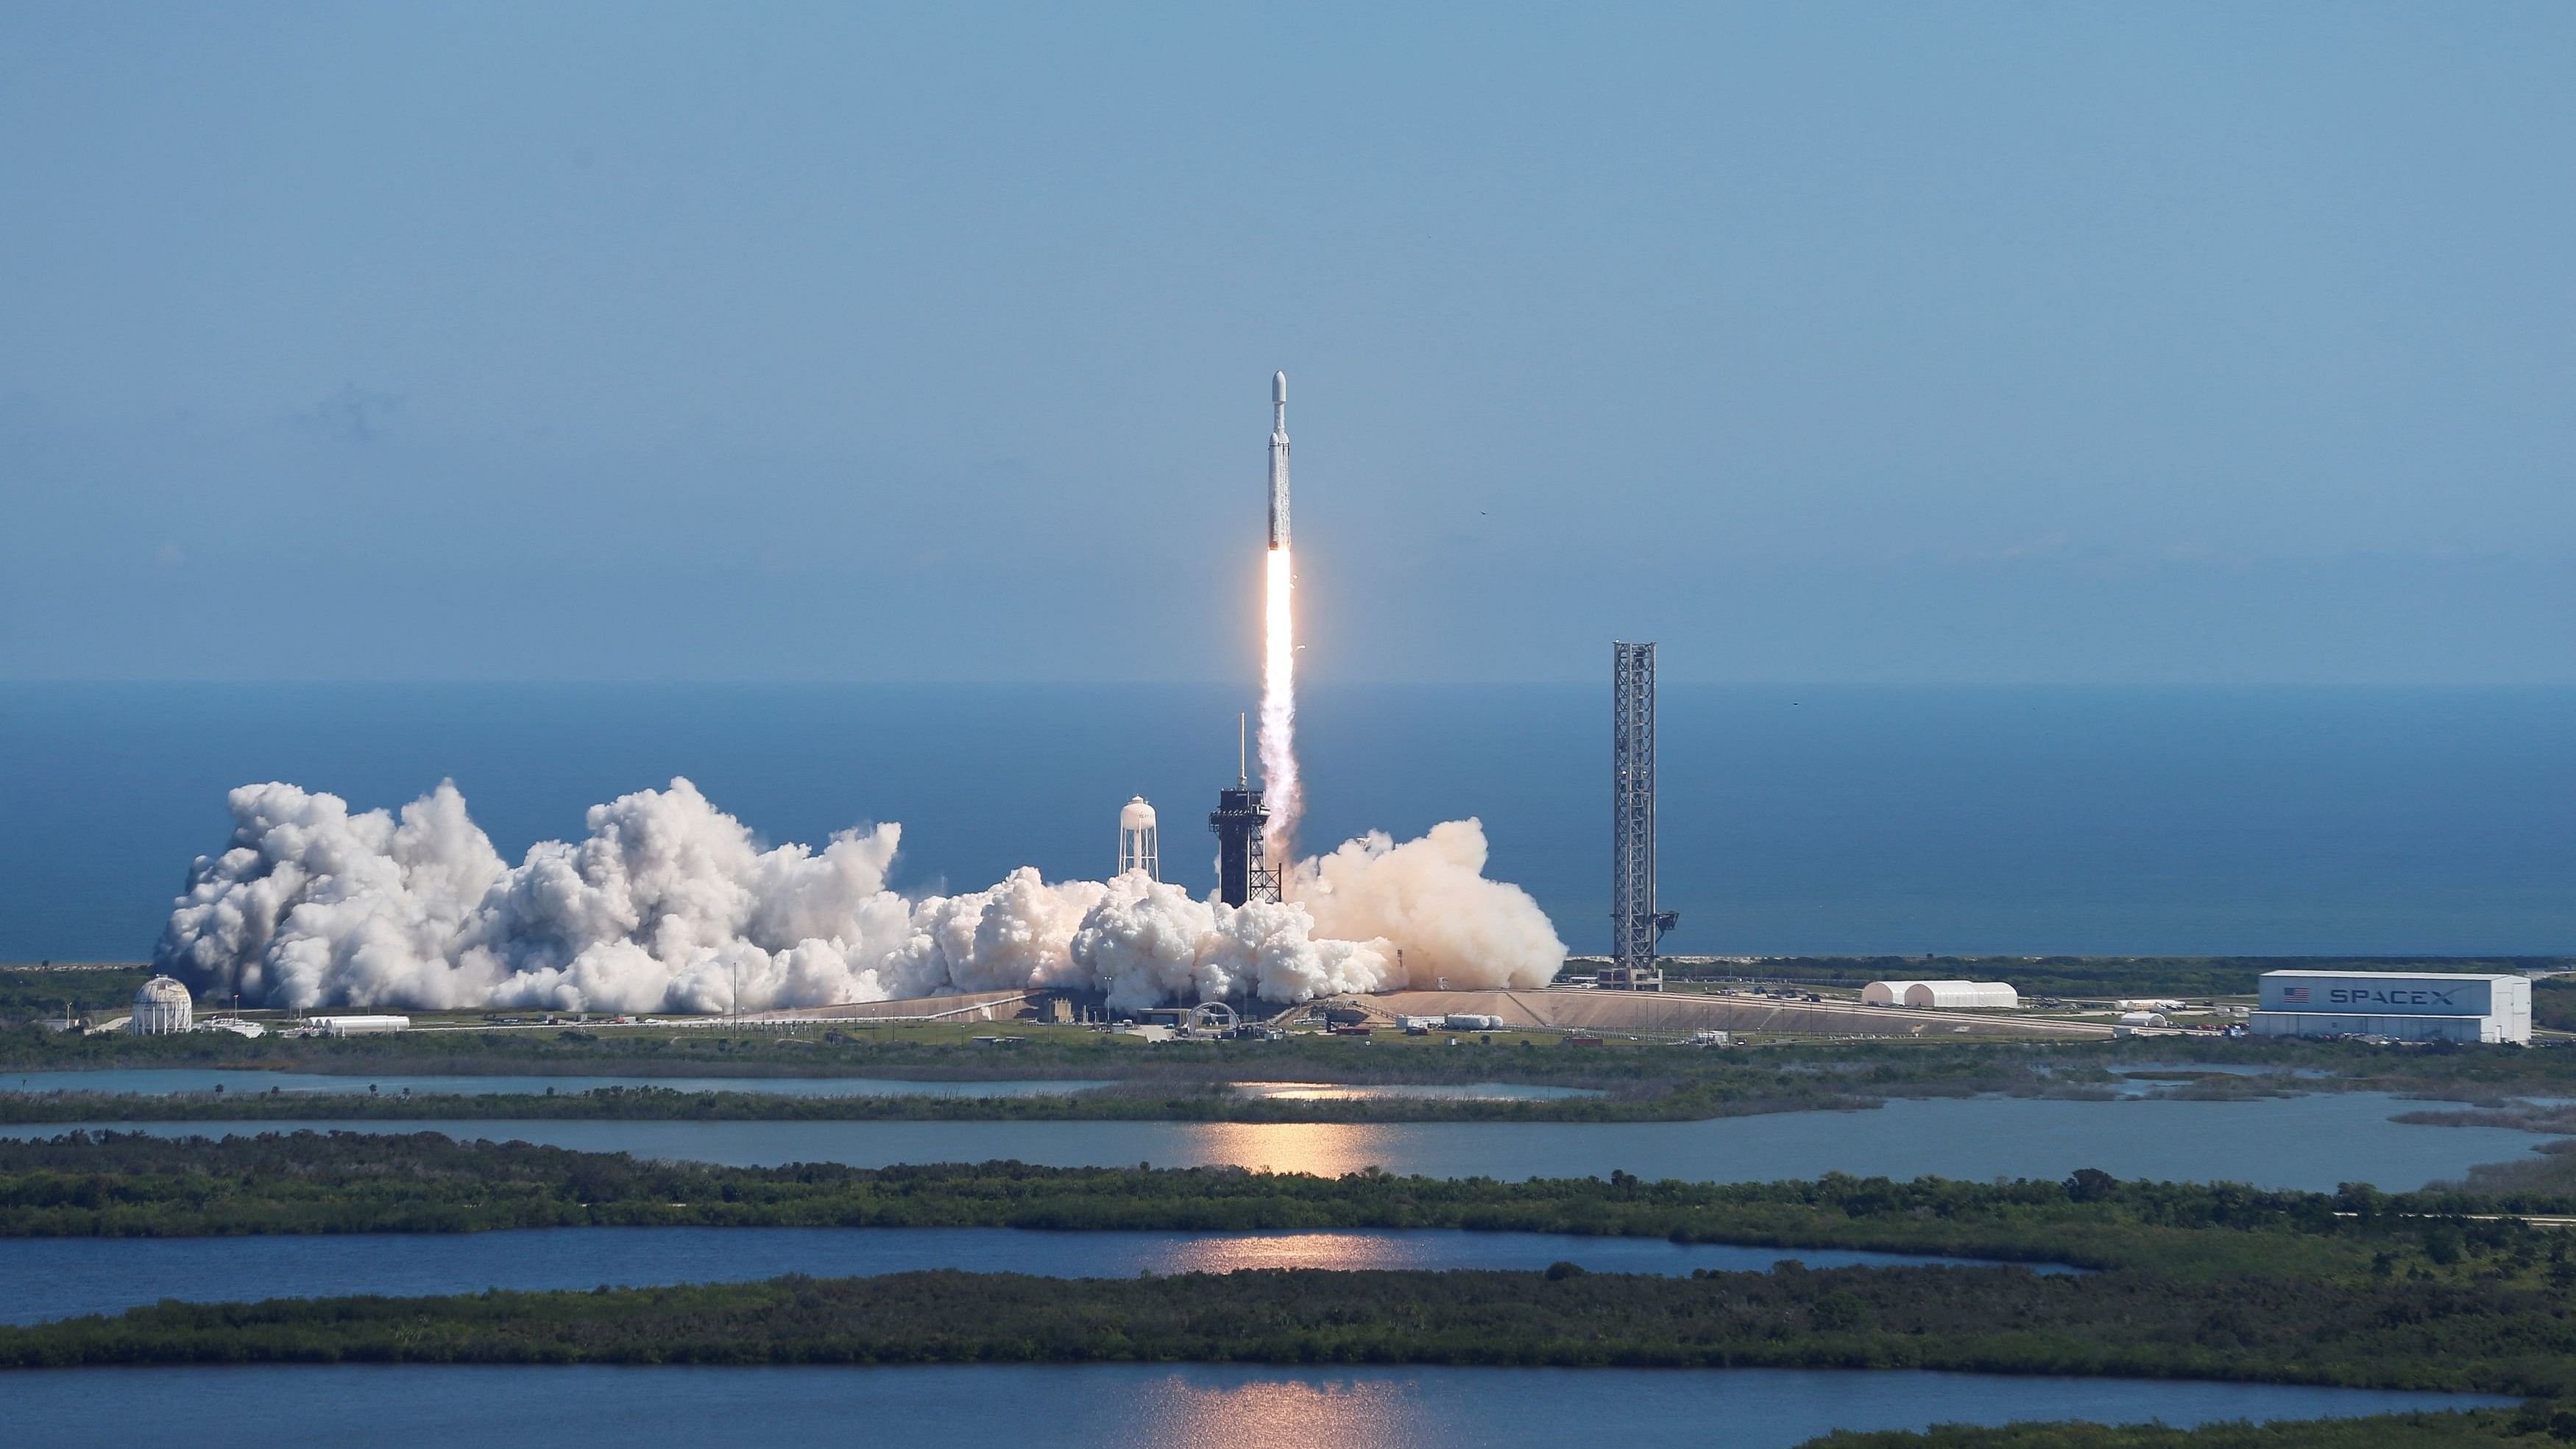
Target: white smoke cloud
[(667, 903)]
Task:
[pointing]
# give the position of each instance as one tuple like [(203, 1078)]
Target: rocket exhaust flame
[(1284, 794)]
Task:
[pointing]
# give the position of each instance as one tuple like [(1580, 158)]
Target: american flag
[(2294, 995)]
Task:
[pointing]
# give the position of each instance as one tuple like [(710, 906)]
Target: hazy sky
[(1993, 342)]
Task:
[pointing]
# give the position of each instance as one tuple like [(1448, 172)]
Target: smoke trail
[(668, 903), (1286, 795)]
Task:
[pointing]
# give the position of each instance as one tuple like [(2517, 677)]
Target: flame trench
[(1284, 794)]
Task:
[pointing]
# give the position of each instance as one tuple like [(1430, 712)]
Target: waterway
[(51, 1278), (166, 1081), (1159, 1406), (2309, 1143)]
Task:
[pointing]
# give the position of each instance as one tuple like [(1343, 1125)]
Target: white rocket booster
[(1279, 460)]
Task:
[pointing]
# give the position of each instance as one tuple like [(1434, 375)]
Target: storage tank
[(162, 1007), (1470, 1021), (2143, 1018), (357, 1025)]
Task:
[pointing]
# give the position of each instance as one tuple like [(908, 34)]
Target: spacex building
[(2404, 1005)]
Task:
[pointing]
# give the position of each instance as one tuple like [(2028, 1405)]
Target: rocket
[(1279, 461)]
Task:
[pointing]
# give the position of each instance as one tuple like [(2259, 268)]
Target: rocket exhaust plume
[(1285, 795), (669, 904)]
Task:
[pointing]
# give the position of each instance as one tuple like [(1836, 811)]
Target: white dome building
[(162, 1006), (1953, 995)]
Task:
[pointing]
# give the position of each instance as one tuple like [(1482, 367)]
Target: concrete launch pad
[(965, 1006), (1650, 1013), (1679, 1014)]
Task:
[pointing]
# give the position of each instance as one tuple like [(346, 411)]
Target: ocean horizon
[(1840, 819)]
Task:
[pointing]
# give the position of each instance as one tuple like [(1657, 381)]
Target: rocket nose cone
[(1278, 387)]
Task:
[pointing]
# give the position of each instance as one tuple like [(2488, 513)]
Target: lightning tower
[(1635, 924)]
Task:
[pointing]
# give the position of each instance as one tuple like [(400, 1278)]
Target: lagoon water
[(164, 1081), (47, 1278), (2310, 1143), (1159, 1406)]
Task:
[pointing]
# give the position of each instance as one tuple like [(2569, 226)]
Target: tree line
[(2537, 1425), (2463, 1336), (138, 1185)]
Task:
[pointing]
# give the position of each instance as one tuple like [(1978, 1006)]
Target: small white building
[(1972, 995), (162, 1007), (2405, 1005)]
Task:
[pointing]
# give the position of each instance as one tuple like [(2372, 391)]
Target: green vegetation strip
[(134, 1185), (2466, 1336), (2535, 1425), (1642, 1081)]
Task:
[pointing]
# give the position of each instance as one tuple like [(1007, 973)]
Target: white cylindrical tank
[(162, 1006), (1471, 1021), (357, 1025), (1138, 849), (2143, 1018)]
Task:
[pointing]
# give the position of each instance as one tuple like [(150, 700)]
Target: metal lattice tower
[(1635, 924)]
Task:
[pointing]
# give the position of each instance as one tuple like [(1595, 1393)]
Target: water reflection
[(1185, 1411), (1319, 1149), (1180, 1407), (2306, 1143), (1412, 1091)]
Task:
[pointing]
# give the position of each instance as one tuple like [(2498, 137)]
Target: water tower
[(1137, 847)]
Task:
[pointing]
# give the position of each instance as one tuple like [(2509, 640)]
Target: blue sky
[(1818, 342)]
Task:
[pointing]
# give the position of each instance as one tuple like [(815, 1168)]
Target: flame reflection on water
[(1294, 1250), (1323, 1149), (1388, 1091), (1310, 1413)]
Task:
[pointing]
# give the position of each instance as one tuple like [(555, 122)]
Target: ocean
[(1842, 819)]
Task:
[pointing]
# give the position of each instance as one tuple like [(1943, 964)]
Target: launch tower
[(1635, 924), (1242, 875)]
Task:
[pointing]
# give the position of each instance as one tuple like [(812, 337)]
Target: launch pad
[(1243, 875)]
